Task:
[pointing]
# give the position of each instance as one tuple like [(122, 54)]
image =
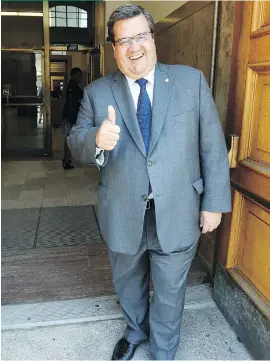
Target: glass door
[(23, 108)]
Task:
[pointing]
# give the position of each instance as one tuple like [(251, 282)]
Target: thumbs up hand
[(108, 132), (111, 114)]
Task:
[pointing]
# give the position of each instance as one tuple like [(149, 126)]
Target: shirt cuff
[(100, 156)]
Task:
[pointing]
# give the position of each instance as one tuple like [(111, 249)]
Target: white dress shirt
[(135, 88), (135, 92)]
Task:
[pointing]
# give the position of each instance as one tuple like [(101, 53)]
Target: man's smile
[(136, 57)]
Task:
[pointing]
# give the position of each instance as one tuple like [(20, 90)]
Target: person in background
[(56, 93), (74, 95), (153, 131)]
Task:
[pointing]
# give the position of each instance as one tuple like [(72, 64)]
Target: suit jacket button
[(149, 163), (145, 198)]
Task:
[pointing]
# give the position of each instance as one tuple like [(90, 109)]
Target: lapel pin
[(167, 80)]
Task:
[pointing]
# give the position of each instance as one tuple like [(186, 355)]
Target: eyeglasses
[(139, 38)]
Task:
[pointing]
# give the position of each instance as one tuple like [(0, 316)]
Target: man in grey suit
[(154, 132)]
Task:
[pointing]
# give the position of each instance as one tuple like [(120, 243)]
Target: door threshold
[(25, 316)]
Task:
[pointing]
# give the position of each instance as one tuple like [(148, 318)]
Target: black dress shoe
[(67, 166), (124, 350)]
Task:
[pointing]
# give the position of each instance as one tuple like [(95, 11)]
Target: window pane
[(71, 9), (61, 16), (52, 21), (83, 15), (72, 23), (83, 23), (61, 22), (39, 73), (61, 8), (72, 15)]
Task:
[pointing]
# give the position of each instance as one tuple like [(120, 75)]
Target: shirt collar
[(149, 77)]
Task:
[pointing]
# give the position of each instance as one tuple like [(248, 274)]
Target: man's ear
[(113, 46)]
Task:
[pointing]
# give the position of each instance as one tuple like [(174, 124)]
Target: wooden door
[(244, 246)]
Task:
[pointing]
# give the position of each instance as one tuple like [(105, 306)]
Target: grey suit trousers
[(161, 319)]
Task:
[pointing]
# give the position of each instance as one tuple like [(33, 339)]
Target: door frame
[(234, 126), (238, 299), (97, 53)]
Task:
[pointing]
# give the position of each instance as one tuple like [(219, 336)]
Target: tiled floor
[(44, 183)]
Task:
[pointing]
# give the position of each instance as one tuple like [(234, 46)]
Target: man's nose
[(134, 45)]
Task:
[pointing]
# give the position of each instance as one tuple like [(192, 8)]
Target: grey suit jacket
[(187, 162)]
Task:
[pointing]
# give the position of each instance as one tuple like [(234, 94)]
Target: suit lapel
[(124, 100), (162, 90)]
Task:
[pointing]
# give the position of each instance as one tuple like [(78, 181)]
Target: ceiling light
[(20, 13)]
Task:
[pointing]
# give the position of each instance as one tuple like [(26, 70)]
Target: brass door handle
[(232, 142)]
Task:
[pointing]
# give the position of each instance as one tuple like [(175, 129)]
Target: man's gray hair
[(128, 11)]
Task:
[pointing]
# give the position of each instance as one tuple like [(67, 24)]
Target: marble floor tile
[(76, 172), (55, 165), (12, 180), (30, 203), (77, 183), (93, 197), (57, 175), (54, 202), (31, 195), (11, 192), (55, 191), (38, 174), (33, 184), (80, 192), (8, 204), (79, 201)]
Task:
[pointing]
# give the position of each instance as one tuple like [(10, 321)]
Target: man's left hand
[(209, 221)]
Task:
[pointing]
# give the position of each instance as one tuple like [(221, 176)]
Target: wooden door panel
[(249, 251), (254, 255), (261, 143), (260, 46), (253, 177), (261, 16), (256, 120), (257, 124)]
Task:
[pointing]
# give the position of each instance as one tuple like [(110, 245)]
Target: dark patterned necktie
[(144, 113)]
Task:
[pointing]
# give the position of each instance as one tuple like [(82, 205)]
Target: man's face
[(138, 58), (77, 76)]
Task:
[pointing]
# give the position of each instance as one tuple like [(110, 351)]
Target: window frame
[(80, 18)]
